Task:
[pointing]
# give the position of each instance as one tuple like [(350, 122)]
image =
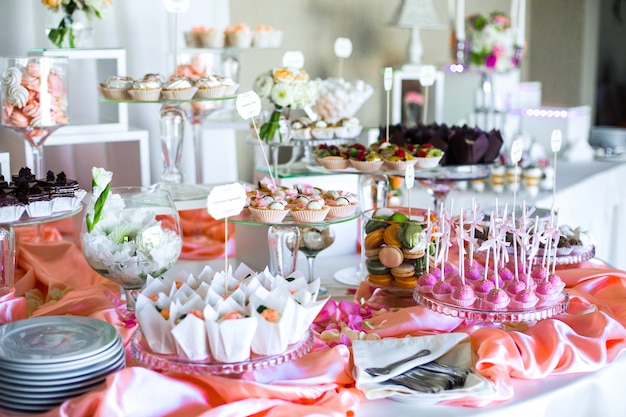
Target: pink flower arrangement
[(491, 42)]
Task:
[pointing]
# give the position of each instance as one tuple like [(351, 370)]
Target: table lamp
[(416, 15)]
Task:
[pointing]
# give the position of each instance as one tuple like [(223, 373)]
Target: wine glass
[(313, 240), (133, 233), (34, 100)]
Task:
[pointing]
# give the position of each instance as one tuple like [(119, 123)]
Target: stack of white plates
[(46, 360)]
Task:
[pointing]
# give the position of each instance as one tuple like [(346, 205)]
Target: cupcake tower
[(517, 271)]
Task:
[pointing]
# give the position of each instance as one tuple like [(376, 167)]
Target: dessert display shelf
[(481, 313), (245, 217), (143, 354), (164, 101)]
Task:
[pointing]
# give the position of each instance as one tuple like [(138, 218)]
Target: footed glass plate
[(481, 313), (142, 353)]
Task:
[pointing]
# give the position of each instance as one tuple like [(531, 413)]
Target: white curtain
[(142, 27)]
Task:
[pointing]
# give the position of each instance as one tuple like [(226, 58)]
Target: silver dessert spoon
[(385, 370)]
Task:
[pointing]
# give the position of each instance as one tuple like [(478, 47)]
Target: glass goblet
[(34, 100), (137, 234), (313, 240)]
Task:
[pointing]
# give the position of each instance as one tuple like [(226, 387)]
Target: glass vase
[(70, 30)]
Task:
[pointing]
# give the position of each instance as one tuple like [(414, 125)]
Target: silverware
[(386, 370)]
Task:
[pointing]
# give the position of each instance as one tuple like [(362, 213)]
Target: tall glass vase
[(70, 30)]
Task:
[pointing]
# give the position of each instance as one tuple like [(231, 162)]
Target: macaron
[(374, 239), (409, 254), (391, 256), (375, 267), (392, 234), (405, 282), (372, 253), (404, 270), (381, 280)]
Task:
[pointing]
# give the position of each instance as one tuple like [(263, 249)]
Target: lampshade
[(417, 13)]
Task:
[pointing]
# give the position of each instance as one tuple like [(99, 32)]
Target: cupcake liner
[(427, 289), (342, 211), (267, 215), (10, 214), (524, 305), (464, 303), (210, 92), (240, 39), (179, 94), (426, 163), (323, 132), (114, 93), (310, 216), (231, 90), (144, 94), (334, 162), (366, 166), (398, 165), (39, 208), (213, 39), (301, 133)]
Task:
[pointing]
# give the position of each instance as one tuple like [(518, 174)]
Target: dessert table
[(571, 365)]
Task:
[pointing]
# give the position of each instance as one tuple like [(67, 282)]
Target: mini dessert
[(427, 156), (211, 38), (404, 270), (375, 238), (367, 162), (10, 208), (313, 212), (380, 280), (209, 86), (266, 37), (268, 210), (525, 299), (513, 287), (391, 256), (556, 281), (399, 160), (483, 287), (405, 281), (463, 295), (179, 88), (116, 87), (239, 36), (301, 129), (146, 89), (497, 298), (497, 178), (341, 203), (426, 282), (348, 127), (442, 290), (546, 291), (192, 37), (322, 130)]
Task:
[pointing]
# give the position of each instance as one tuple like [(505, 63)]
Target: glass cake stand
[(142, 353), (479, 312)]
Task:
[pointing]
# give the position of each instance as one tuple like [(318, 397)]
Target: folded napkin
[(450, 349)]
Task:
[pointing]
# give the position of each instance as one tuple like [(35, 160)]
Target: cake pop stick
[(461, 248), (428, 237), (532, 252), (516, 156), (343, 50), (387, 83)]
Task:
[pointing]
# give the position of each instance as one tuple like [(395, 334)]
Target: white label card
[(293, 59), (409, 176), (226, 200), (387, 78), (177, 6), (516, 151), (556, 140), (248, 104), (343, 47)]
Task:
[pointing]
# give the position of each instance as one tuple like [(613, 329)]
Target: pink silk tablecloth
[(53, 278)]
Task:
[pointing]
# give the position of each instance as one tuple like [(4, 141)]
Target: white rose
[(263, 84)]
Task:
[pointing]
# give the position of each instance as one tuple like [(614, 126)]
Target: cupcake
[(266, 37), (367, 162), (238, 37), (211, 38), (230, 86), (146, 89), (116, 87), (313, 212), (341, 203), (399, 160), (334, 162), (301, 129), (348, 127), (179, 88), (428, 156), (322, 130), (209, 86), (272, 212)]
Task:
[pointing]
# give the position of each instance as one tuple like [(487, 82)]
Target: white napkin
[(451, 349)]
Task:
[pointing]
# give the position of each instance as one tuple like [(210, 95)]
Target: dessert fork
[(386, 370)]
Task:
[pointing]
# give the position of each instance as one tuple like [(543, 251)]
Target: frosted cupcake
[(209, 86), (146, 89), (313, 212), (179, 88), (239, 36), (341, 203), (116, 87)]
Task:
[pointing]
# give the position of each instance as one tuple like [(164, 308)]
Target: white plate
[(54, 339), (84, 374), (349, 276), (14, 391), (62, 367)]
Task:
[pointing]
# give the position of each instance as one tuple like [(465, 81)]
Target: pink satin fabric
[(589, 336), (203, 236)]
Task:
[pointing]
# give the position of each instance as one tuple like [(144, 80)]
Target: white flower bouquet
[(130, 232), (284, 88)]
